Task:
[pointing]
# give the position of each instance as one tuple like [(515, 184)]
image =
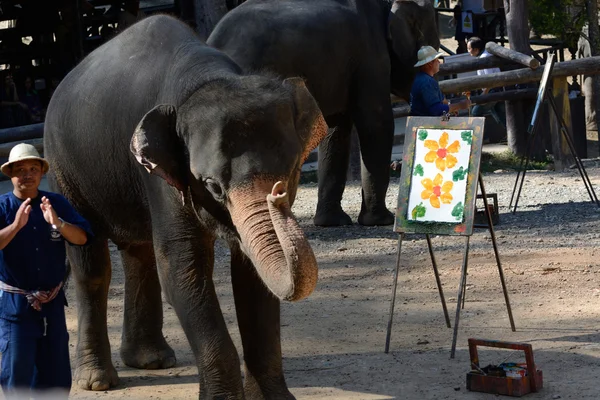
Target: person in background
[(34, 226), (476, 48), (13, 112), (426, 98), (32, 99)]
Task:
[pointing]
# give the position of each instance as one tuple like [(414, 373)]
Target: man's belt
[(35, 297)]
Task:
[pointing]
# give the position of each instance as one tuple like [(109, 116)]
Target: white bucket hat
[(427, 54), (20, 152)]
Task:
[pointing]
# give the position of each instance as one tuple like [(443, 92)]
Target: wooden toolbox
[(479, 381)]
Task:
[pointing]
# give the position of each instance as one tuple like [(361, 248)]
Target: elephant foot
[(96, 377), (272, 389), (377, 218), (329, 217), (148, 356)]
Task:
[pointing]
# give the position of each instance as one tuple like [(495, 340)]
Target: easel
[(463, 278), (545, 94)]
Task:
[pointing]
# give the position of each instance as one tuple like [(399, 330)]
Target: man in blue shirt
[(33, 228), (426, 98)]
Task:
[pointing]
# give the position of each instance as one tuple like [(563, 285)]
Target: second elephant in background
[(353, 54)]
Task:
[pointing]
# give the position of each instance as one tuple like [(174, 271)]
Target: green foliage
[(419, 211), (419, 170), (459, 174), (423, 134), (457, 211), (560, 18), (467, 136)]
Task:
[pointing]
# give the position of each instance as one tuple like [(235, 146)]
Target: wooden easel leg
[(496, 253), (522, 170), (460, 295), (438, 281), (389, 327)]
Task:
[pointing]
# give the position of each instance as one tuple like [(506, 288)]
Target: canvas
[(440, 168)]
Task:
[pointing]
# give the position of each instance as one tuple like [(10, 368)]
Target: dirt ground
[(333, 341)]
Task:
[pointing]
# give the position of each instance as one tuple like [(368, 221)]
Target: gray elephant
[(164, 145), (353, 54)]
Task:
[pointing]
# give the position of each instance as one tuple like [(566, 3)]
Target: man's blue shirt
[(35, 258), (426, 98)]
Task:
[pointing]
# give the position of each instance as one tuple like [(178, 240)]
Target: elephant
[(353, 54), (165, 145)]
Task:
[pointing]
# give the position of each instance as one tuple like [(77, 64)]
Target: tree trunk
[(517, 28), (594, 33), (203, 15)]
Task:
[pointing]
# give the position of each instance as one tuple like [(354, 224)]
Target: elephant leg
[(185, 269), (258, 319), (91, 271), (334, 153), (375, 126), (142, 342)]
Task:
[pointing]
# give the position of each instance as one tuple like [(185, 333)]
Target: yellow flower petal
[(454, 147), (437, 181), (446, 198), (447, 186), (435, 201), (444, 140), (431, 145), (431, 156), (440, 163), (425, 194), (427, 184), (450, 161)]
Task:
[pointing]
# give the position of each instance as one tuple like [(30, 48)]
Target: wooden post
[(560, 149), (512, 55), (594, 32), (517, 28)]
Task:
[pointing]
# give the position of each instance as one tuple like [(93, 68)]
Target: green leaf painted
[(419, 211), (419, 170), (423, 134), (459, 174), (467, 136), (457, 211)]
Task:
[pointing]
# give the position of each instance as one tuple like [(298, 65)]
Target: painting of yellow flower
[(436, 190), (441, 153)]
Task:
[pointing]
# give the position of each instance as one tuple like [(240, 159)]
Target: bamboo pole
[(512, 55)]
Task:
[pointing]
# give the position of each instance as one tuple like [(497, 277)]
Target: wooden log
[(401, 111), (474, 64), (512, 55), (560, 148), (6, 147), (581, 66), (509, 95), (20, 133)]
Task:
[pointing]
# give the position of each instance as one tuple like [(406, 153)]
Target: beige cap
[(20, 152), (427, 54)]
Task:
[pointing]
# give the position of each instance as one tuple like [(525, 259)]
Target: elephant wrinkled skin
[(353, 54), (164, 145)]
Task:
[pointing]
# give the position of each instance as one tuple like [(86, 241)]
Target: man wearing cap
[(34, 225), (426, 98)]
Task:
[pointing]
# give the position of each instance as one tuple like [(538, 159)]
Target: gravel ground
[(333, 341)]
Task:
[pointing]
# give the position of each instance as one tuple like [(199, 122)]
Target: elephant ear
[(309, 122), (157, 146)]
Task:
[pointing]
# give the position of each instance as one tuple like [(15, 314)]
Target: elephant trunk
[(272, 238)]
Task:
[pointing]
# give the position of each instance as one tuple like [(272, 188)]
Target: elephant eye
[(214, 188)]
